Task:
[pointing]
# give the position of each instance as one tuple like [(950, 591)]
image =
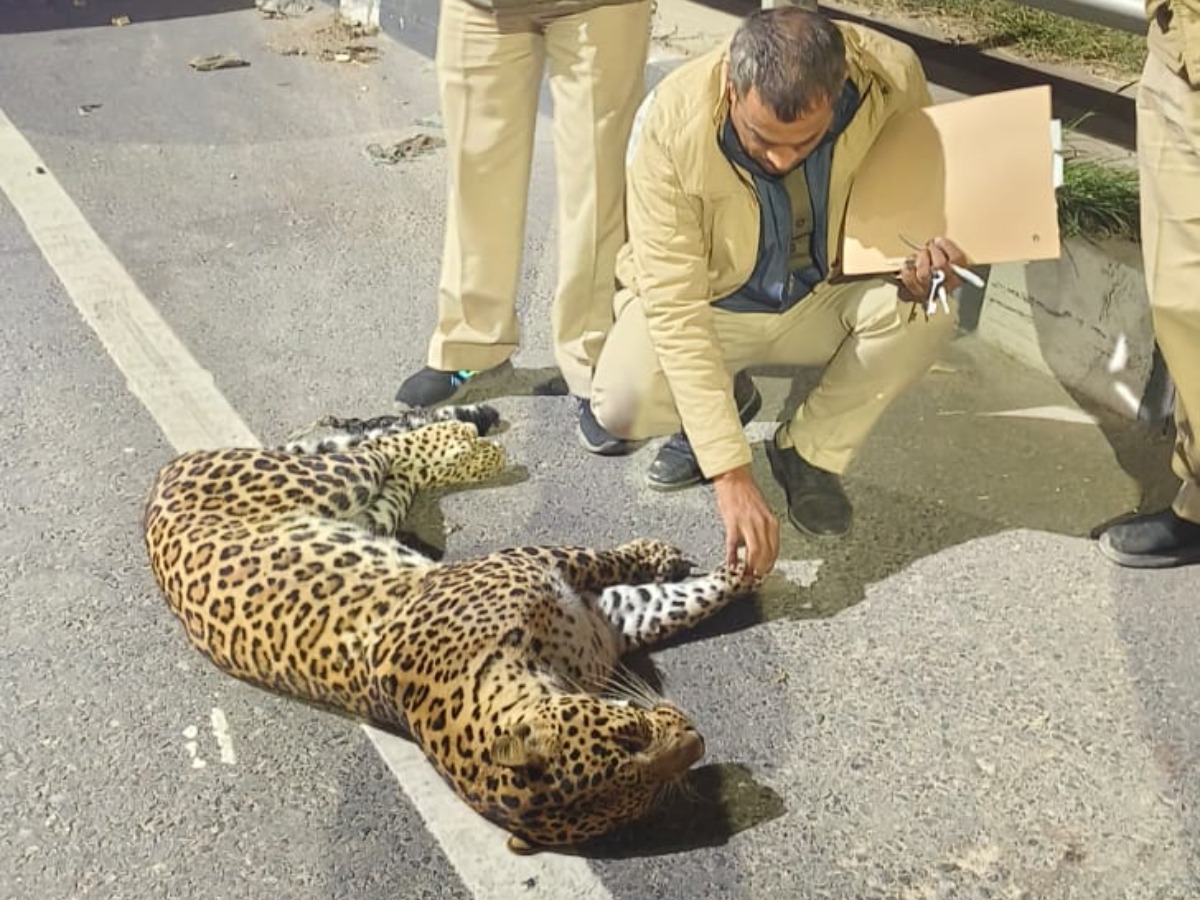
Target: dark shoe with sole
[(1154, 541), (594, 437), (429, 387), (817, 504), (675, 466)]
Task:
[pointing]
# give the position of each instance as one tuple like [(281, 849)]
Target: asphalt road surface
[(960, 700)]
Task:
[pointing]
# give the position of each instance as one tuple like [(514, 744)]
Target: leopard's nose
[(678, 757), (691, 748)]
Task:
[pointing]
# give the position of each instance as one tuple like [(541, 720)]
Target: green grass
[(1034, 34), (1098, 200)]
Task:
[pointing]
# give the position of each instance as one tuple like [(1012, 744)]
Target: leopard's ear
[(520, 746)]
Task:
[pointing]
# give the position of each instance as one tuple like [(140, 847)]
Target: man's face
[(777, 146)]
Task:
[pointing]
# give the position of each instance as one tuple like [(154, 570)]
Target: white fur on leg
[(647, 614)]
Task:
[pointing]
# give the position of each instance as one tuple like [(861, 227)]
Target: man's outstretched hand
[(749, 522)]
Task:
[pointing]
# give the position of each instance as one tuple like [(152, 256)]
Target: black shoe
[(817, 505), (596, 440), (675, 466), (429, 387), (1155, 541)]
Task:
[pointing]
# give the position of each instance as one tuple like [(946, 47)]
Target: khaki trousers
[(489, 71), (858, 331), (1168, 136)]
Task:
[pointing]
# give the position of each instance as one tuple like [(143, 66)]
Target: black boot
[(817, 505), (1155, 541), (431, 387), (675, 465)]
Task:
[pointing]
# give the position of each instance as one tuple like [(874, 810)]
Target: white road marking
[(193, 747), (486, 866), (160, 371), (183, 399), (801, 572), (761, 432), (220, 728)]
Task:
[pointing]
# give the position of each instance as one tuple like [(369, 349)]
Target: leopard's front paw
[(738, 578), (660, 561)]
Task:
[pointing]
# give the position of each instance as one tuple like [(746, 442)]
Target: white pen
[(967, 275)]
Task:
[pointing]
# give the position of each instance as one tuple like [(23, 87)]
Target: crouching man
[(737, 187)]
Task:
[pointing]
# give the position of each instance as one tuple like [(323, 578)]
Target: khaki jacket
[(1178, 44), (693, 219)]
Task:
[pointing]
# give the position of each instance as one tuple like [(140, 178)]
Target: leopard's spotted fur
[(283, 567)]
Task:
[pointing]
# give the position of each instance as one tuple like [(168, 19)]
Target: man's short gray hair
[(796, 59)]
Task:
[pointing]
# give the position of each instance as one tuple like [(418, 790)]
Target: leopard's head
[(579, 766)]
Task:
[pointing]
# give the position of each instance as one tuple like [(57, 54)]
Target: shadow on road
[(713, 804), (956, 460), (962, 457)]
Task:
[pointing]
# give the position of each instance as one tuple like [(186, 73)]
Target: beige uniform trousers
[(1168, 133), (489, 71), (858, 331)]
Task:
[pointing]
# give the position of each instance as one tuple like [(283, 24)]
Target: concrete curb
[(1083, 318), (360, 12)]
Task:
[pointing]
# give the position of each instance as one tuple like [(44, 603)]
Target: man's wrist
[(738, 474)]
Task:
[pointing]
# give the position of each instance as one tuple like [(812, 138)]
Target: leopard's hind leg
[(372, 486), (437, 455), (448, 454)]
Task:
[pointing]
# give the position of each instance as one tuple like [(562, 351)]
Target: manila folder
[(978, 171)]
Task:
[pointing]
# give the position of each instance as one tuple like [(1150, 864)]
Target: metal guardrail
[(1122, 15)]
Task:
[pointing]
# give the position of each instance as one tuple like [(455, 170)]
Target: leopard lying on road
[(284, 568)]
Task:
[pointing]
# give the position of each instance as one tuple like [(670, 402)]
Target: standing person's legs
[(489, 72), (596, 62), (1168, 131)]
